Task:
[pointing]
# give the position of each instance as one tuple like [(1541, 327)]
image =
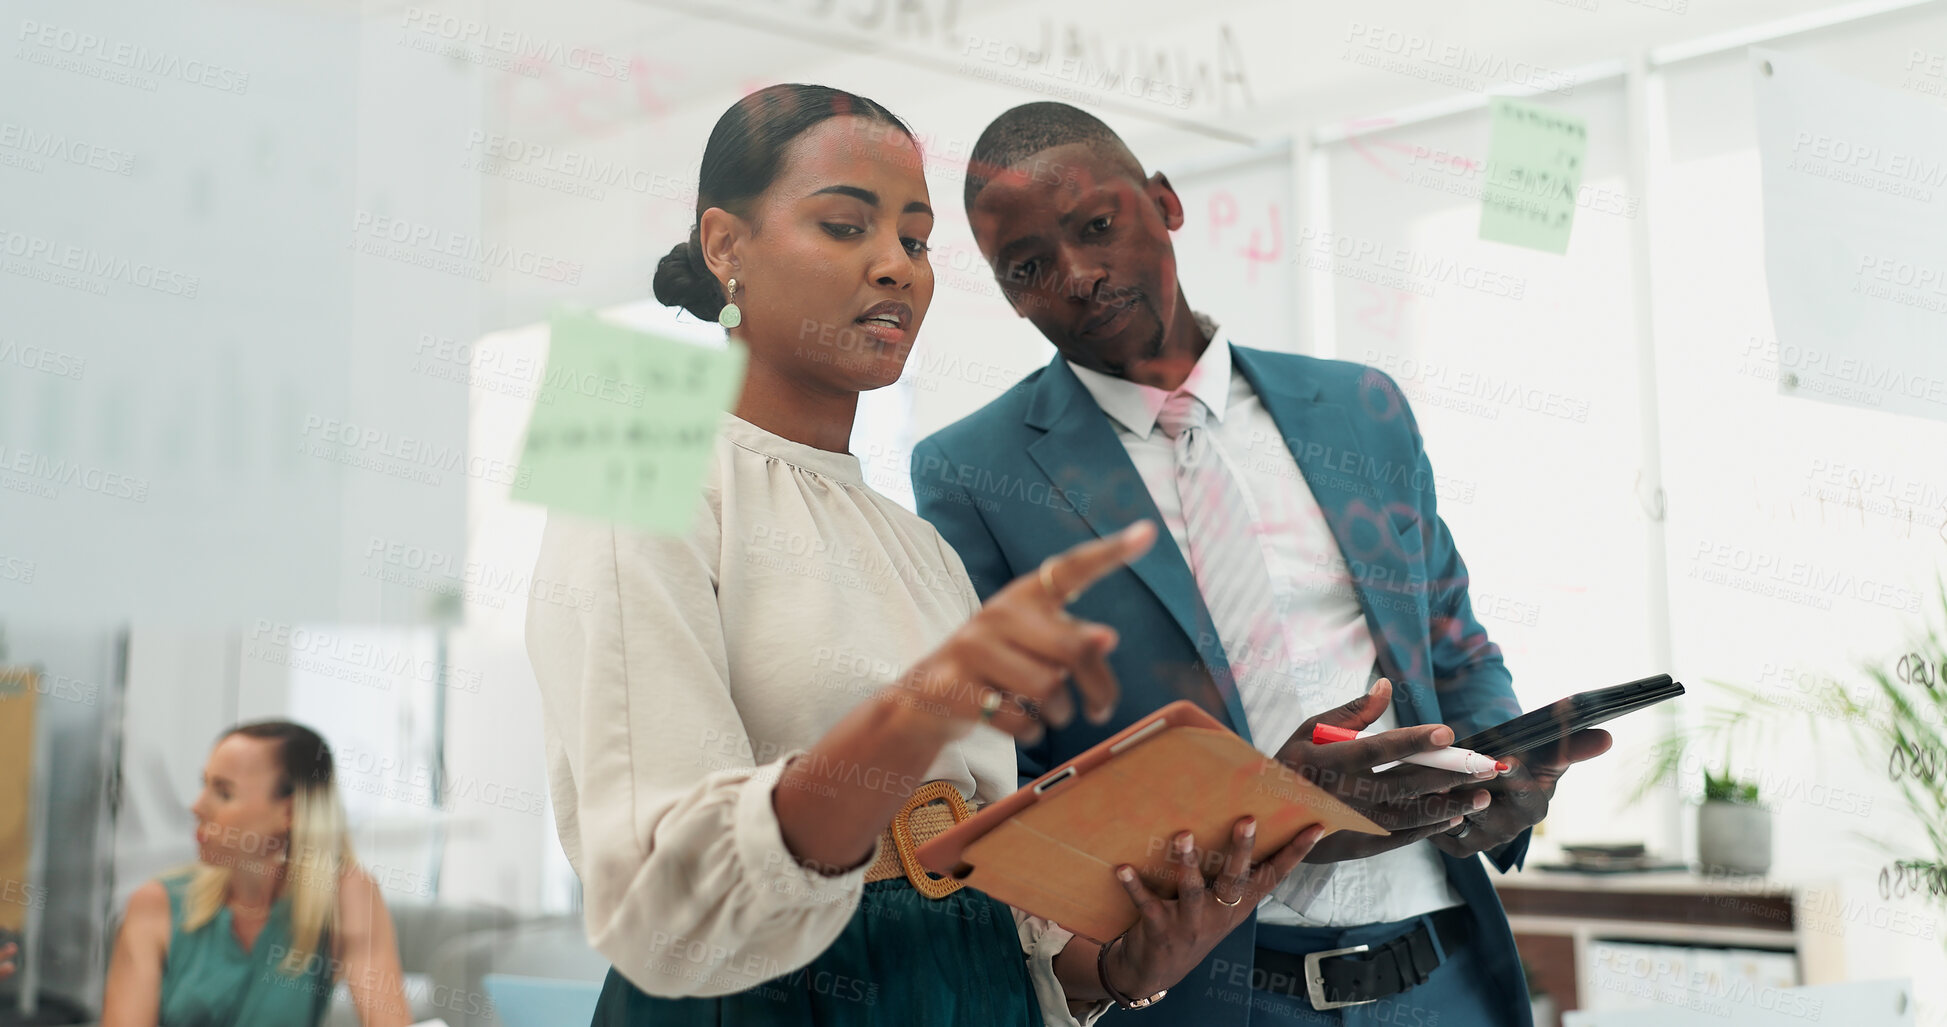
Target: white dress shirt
[(1312, 586)]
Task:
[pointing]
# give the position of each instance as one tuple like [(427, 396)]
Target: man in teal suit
[(1303, 559)]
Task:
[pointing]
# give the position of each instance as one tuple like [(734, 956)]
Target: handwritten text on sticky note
[(1534, 170), (625, 423)]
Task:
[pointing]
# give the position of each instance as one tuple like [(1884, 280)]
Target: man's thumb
[(1360, 713)]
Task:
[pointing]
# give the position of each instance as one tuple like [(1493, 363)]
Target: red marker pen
[(1460, 761)]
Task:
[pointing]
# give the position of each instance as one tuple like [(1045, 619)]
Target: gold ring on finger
[(1047, 575), (1232, 904), (990, 704)]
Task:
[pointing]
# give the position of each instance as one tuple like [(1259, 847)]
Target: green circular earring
[(730, 316)]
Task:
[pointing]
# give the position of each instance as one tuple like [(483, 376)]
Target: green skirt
[(903, 959)]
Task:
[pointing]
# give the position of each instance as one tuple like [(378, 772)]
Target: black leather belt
[(1363, 973)]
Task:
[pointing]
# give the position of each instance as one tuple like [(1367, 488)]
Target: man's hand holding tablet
[(1542, 744), (1174, 935), (1520, 797), (1410, 801)]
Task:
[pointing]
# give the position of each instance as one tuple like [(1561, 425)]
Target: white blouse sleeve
[(1043, 940), (664, 809)]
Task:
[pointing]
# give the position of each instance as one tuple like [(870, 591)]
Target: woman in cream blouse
[(740, 712)]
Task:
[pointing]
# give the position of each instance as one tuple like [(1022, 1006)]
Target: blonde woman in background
[(274, 912)]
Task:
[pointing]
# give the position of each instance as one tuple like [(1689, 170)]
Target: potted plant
[(1733, 830), (1897, 719)]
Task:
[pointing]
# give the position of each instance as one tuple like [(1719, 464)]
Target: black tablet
[(1540, 728)]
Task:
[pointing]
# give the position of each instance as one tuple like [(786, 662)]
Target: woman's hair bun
[(681, 281)]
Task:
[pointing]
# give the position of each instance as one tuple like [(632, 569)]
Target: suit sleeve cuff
[(1513, 853)]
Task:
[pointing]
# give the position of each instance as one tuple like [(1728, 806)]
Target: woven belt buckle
[(902, 836), (1315, 978)]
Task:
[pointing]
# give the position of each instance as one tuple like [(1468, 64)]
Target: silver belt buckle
[(1315, 981)]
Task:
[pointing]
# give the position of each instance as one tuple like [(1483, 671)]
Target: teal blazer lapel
[(1080, 453)]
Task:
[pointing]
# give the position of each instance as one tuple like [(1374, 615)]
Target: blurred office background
[(295, 359)]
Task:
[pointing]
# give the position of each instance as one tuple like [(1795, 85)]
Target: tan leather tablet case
[(1056, 857)]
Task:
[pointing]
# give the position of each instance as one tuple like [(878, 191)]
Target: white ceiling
[(1259, 71), (1291, 63)]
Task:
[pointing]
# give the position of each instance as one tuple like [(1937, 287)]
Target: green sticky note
[(625, 423), (1534, 170)]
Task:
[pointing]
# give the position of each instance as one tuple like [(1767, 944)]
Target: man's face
[(1081, 248)]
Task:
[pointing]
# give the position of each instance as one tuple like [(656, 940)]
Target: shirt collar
[(1135, 406)]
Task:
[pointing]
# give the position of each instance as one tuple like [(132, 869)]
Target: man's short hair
[(1033, 127)]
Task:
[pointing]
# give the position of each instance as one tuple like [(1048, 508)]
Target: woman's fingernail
[(1250, 828), (1481, 800), (1442, 735), (1125, 873), (1485, 775), (1185, 842), (1455, 822)]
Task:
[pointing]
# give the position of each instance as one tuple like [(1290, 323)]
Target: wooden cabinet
[(1559, 918)]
